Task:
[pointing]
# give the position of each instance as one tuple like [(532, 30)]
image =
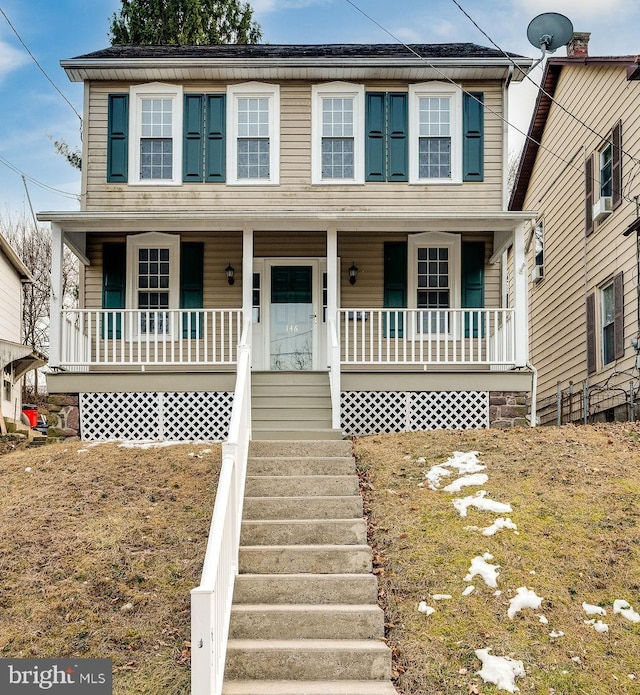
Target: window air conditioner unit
[(602, 209), (537, 273)]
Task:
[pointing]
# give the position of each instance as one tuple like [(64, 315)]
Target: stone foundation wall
[(64, 415), (508, 409)]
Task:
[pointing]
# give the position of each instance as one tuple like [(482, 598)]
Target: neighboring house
[(16, 359), (345, 204), (582, 179)]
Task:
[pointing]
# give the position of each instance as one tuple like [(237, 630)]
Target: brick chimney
[(578, 47)]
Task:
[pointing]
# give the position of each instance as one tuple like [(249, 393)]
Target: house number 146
[(292, 328)]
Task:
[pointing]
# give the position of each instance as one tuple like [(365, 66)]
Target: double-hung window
[(155, 150), (435, 152), (607, 306), (253, 146), (338, 133), (606, 171), (434, 279)]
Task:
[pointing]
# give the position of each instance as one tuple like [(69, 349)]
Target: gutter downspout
[(534, 395)]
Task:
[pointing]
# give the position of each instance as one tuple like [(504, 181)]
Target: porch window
[(338, 133), (155, 151), (253, 145), (256, 294), (435, 128)]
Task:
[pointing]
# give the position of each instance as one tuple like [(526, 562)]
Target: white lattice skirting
[(370, 412), (156, 416)]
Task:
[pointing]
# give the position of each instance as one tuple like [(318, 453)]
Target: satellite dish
[(549, 31)]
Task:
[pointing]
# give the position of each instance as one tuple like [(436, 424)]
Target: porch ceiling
[(284, 220)]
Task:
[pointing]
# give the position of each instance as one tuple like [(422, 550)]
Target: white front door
[(288, 300)]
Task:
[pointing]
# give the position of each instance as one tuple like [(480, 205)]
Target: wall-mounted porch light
[(229, 271), (353, 273)]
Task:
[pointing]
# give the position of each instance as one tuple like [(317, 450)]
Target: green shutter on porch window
[(215, 148), (473, 136), (472, 262), (192, 287), (114, 263), (375, 156), (398, 137), (395, 285), (117, 138), (192, 147)]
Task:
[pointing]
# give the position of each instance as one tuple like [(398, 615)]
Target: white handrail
[(211, 600)]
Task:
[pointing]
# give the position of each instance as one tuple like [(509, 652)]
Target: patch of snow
[(467, 481), (598, 626), (28, 469), (543, 619), (83, 451), (497, 593), (621, 606), (590, 609), (469, 590), (423, 608), (497, 525), (559, 633), (480, 566), (524, 598), (632, 676), (480, 501), (441, 597), (463, 461), (502, 671), (434, 475), (577, 659), (147, 444)]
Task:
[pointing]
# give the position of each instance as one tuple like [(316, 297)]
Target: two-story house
[(343, 205), (579, 172), (16, 359)]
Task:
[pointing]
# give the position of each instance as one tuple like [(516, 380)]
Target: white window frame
[(607, 286), (155, 90), (428, 240), (601, 166), (135, 242), (339, 90), (435, 89), (259, 90)]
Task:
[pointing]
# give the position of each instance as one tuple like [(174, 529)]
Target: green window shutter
[(473, 136), (472, 291), (117, 138), (192, 286), (374, 153), (192, 148), (395, 284), (215, 147), (398, 137), (114, 264)]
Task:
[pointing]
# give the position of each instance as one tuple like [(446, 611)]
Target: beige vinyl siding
[(574, 264), (295, 190), (11, 304)]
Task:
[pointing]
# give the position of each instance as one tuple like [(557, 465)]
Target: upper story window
[(337, 149), (435, 127), (606, 170), (155, 148), (253, 146), (538, 252)]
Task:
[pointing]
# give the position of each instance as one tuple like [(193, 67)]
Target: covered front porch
[(364, 299)]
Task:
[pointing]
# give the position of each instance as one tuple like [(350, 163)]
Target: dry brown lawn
[(99, 548), (575, 494)]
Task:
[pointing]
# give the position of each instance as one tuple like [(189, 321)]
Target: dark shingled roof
[(230, 51)]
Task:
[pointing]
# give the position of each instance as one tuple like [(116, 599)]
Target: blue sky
[(31, 109)]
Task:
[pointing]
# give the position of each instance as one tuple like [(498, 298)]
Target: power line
[(472, 96), (14, 168), (42, 70), (540, 87)]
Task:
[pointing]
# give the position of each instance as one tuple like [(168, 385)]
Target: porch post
[(247, 274), (55, 323), (333, 350), (521, 319)]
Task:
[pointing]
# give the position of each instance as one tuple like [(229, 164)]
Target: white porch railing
[(333, 351), (122, 337), (427, 336), (211, 601)]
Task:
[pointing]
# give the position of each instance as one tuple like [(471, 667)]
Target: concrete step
[(307, 660), (306, 588), (295, 465), (290, 378), (302, 401), (267, 621), (295, 559), (300, 447), (308, 688), (340, 507), (269, 433), (286, 413), (304, 532), (301, 485)]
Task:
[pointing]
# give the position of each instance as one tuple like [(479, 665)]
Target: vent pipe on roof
[(578, 47)]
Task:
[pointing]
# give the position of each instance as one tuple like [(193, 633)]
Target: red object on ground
[(31, 411)]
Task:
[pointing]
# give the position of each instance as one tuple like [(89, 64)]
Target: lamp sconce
[(353, 273), (229, 271)]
